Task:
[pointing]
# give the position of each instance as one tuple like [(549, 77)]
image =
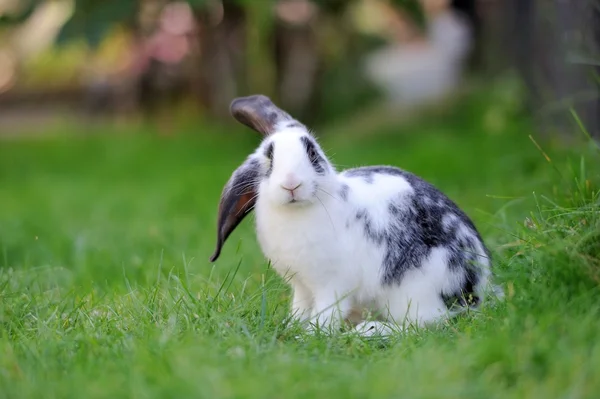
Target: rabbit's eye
[(313, 155), (269, 152)]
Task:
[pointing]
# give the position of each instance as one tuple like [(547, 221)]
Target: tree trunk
[(468, 8), (595, 53), (297, 63), (547, 40), (260, 46), (220, 59)]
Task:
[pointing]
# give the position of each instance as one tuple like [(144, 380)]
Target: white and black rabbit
[(376, 239)]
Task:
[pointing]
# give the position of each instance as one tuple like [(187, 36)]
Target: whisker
[(326, 211), (331, 195), (249, 209), (246, 183), (243, 186), (345, 166)]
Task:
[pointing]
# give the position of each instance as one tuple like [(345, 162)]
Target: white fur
[(319, 246)]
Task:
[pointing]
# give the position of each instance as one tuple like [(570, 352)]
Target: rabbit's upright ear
[(237, 201), (259, 113)]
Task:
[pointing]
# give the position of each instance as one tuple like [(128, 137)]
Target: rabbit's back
[(414, 225)]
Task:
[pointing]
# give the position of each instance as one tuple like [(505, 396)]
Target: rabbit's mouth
[(297, 202), (297, 197)]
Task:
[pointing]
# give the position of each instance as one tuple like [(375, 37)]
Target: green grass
[(106, 289)]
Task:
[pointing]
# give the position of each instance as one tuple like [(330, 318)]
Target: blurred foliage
[(55, 67), (333, 6), (91, 41), (27, 7), (413, 9), (65, 65), (93, 19), (339, 99)]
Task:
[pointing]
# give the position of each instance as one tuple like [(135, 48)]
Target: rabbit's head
[(289, 168)]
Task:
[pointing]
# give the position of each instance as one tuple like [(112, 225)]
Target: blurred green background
[(324, 61)]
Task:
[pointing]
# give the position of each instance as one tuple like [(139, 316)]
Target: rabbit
[(374, 239)]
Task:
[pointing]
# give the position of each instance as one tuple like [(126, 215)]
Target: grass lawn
[(106, 289)]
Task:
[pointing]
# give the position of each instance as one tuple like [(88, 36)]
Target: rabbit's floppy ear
[(237, 201), (239, 195), (259, 113)]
